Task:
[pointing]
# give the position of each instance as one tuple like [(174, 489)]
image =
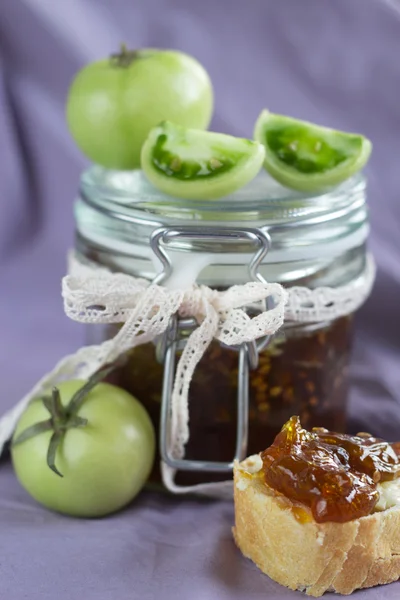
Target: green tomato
[(307, 157), (104, 464), (113, 104), (199, 165)]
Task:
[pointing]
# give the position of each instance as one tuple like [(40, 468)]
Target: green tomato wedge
[(199, 165), (308, 157)]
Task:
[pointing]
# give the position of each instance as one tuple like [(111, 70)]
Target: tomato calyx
[(124, 58), (62, 418)]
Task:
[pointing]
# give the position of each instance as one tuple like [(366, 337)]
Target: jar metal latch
[(174, 338)]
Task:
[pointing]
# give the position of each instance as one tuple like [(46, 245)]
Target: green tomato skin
[(110, 109), (104, 464)]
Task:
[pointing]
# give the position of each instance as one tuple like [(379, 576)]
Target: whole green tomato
[(103, 462), (113, 104)]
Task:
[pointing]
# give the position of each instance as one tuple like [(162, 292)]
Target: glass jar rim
[(119, 212), (128, 193)]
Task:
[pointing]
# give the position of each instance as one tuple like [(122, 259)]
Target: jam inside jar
[(300, 372), (315, 242)]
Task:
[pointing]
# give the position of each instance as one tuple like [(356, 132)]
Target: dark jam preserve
[(301, 372), (315, 242)]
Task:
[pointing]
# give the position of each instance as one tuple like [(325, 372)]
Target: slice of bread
[(287, 544)]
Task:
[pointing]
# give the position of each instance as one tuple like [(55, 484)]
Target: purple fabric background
[(333, 62)]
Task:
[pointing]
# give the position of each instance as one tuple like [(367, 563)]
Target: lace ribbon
[(94, 295)]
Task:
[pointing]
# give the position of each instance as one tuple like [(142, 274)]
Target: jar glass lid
[(119, 212), (263, 199)]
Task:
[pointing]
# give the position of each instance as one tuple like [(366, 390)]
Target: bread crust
[(287, 544)]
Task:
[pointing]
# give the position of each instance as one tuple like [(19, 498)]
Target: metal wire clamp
[(174, 338)]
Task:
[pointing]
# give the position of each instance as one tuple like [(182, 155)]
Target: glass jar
[(316, 241)]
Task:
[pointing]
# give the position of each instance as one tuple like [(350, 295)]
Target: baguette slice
[(287, 544)]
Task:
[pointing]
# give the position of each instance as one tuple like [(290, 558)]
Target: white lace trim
[(326, 303), (94, 295)]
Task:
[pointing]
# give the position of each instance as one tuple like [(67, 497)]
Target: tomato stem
[(33, 430), (78, 398), (52, 451), (57, 407), (124, 58)]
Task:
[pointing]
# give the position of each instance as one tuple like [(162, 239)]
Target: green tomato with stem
[(85, 449), (112, 104)]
